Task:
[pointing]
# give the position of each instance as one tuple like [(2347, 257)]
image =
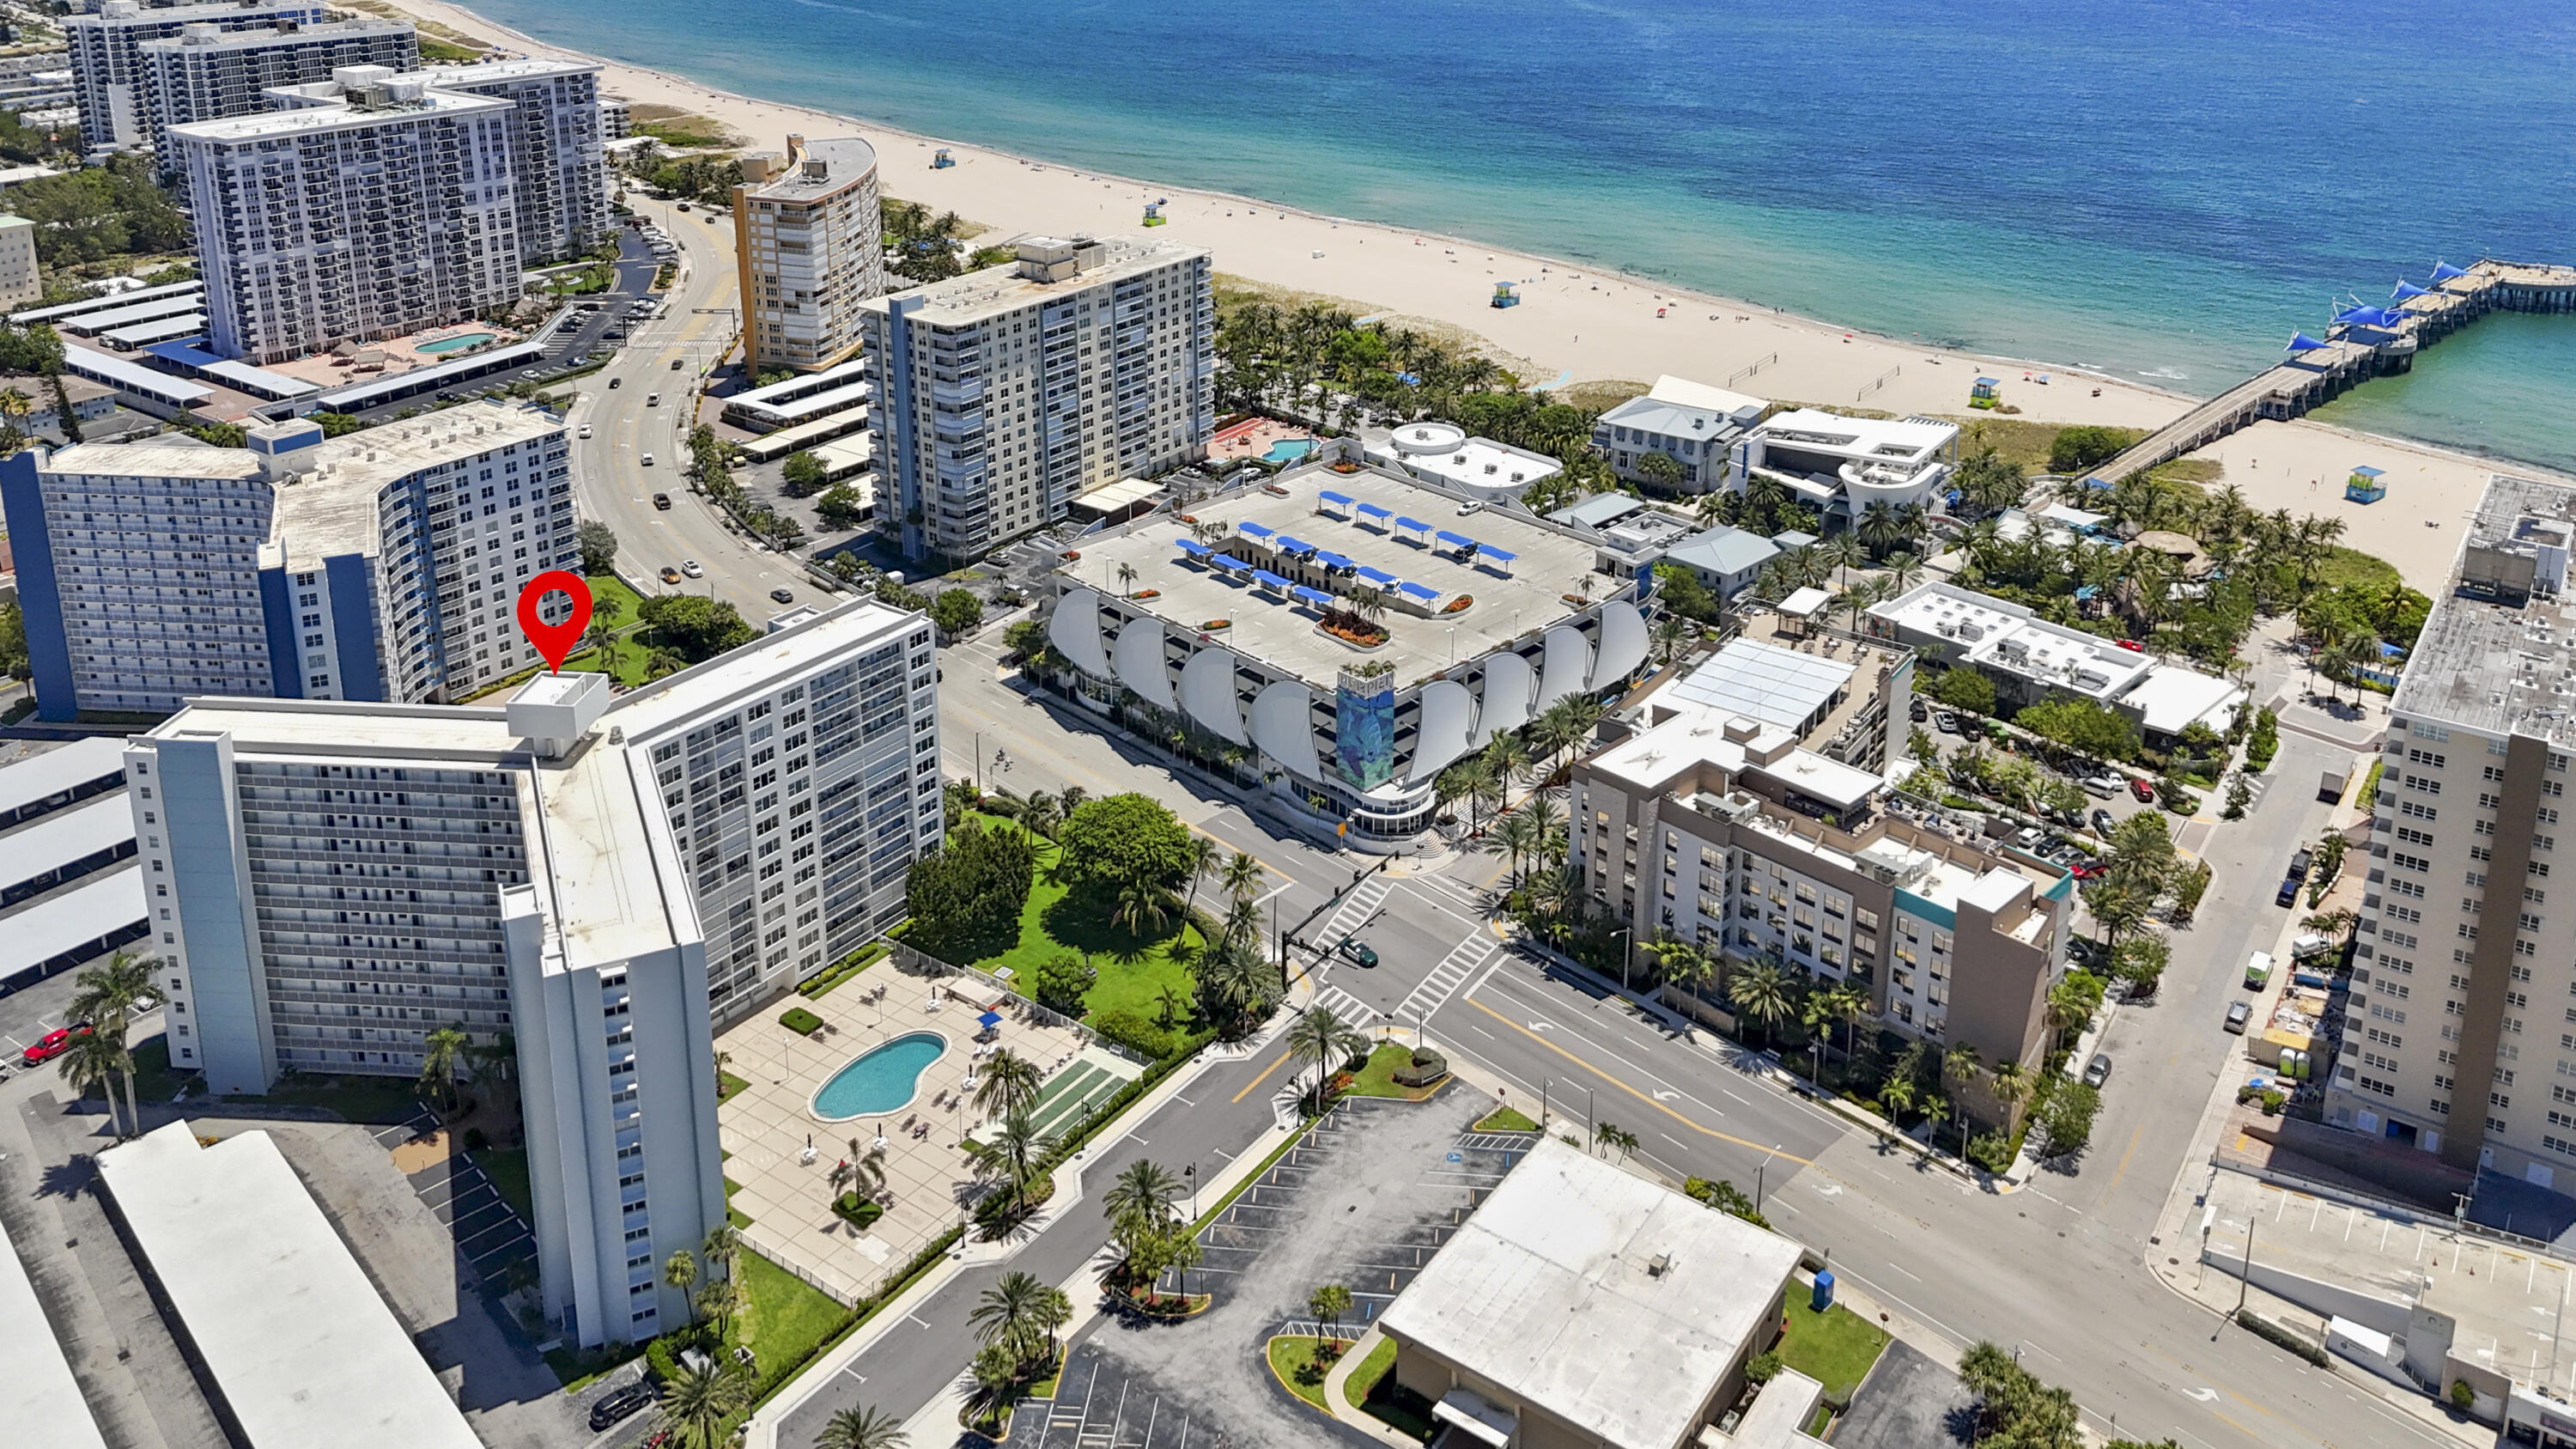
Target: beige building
[(811, 246), (20, 282), (2473, 786), (1583, 1307)]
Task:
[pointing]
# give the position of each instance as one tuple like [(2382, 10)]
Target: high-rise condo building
[(1003, 393), (372, 206), (811, 247), (385, 565), (605, 884), (20, 282), (209, 73), (109, 78), (2459, 976), (558, 159)]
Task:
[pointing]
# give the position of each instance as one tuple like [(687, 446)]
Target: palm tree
[(1040, 815), (1554, 731), (107, 996), (1760, 990), (2011, 1083), (1201, 856), (1144, 1190), (1323, 1038), (862, 1172), (681, 1272), (1010, 1084), (1009, 1148), (718, 1301), (1897, 1096), (1517, 837), (1508, 757), (1012, 1314), (1242, 877), (1328, 1303), (1242, 919), (1903, 567), (863, 1428), (1127, 579), (721, 1247), (1961, 1063), (1935, 1112), (1140, 903), (439, 1051), (1672, 632), (698, 1404), (94, 1059)]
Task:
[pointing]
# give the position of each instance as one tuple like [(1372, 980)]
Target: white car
[(585, 430), (648, 460), (693, 568), (1470, 507)]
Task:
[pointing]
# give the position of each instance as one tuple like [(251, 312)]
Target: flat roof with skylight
[(1783, 687)]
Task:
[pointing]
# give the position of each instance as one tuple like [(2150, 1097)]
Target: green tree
[(439, 1053), (841, 507), (2064, 1120), (1110, 844), (1680, 591), (1009, 1151), (1012, 1315), (2082, 726), (1966, 687), (1330, 1301), (1761, 991), (2141, 961), (2077, 448), (699, 1404), (2240, 794), (1318, 1036), (2015, 1410), (598, 544), (692, 626), (1063, 979), (862, 1428), (1010, 1084), (95, 1059), (1660, 470), (803, 474), (967, 898), (681, 1272), (108, 996)]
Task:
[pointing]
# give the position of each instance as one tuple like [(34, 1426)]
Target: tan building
[(811, 246), (19, 281), (1583, 1307)]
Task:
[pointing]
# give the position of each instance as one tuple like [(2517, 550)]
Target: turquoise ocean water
[(2163, 189)]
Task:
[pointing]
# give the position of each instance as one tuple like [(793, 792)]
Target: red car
[(2132, 645), (53, 1044), (2140, 788)]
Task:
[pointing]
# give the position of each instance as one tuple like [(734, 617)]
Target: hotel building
[(1004, 393), (385, 565), (606, 883), (810, 243), (110, 80), (1844, 467), (209, 73), (2464, 840), (297, 260)]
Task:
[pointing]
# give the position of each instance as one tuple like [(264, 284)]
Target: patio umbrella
[(989, 1020)]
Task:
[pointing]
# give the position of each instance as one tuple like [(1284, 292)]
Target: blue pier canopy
[(1416, 524), (2369, 317), (2406, 289), (1254, 530), (2444, 271), (1329, 496), (2301, 342), (1269, 580), (1316, 597), (1424, 592), (1371, 510), (1332, 560), (1379, 577), (1192, 547), (1227, 561), (1288, 544), (1456, 540)]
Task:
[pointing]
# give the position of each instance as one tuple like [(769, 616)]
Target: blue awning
[(1329, 496), (2369, 317), (1424, 592), (1456, 540), (1332, 560), (1487, 550), (1379, 577), (2444, 271), (1227, 561), (2302, 342), (1371, 510), (2406, 289), (1192, 547), (1316, 597), (1293, 545), (1253, 530), (1416, 524), (1269, 580)]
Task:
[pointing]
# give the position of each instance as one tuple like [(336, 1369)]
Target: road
[(667, 357)]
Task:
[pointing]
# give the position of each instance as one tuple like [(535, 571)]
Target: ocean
[(2159, 189)]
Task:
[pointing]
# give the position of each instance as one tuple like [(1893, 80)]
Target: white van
[(2100, 787), (2258, 970)]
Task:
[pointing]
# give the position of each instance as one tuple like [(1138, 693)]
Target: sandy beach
[(1578, 323)]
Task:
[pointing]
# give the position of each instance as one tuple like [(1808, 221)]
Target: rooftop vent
[(1657, 1265)]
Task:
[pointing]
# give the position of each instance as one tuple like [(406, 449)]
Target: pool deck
[(766, 1125), (1253, 439)]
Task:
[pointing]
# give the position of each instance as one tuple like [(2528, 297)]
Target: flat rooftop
[(1546, 566), (157, 458), (1877, 440), (39, 1388), (1612, 1303), (845, 161), (2494, 666), (319, 33), (332, 115), (996, 290), (296, 1340), (56, 771), (59, 837), (1777, 686), (2009, 639)]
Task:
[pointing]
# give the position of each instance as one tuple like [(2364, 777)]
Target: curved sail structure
[(1207, 693), (1075, 632), (1140, 663), (1447, 710), (1281, 727)]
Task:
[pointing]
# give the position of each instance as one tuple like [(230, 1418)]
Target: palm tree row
[(109, 997)]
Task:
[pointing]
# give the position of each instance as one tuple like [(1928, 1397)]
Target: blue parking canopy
[(1253, 530), (1424, 592), (1371, 510), (1192, 547), (1330, 496), (1316, 597), (1227, 561), (1456, 540), (1379, 577), (1268, 580)]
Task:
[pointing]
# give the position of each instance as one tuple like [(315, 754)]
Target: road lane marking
[(1265, 1076), (1640, 1096)]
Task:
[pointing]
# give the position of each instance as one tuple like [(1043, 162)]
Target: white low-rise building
[(1847, 466), (1693, 424), (2030, 658), (1443, 454)]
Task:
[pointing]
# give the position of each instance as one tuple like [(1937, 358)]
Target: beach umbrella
[(2302, 342), (2406, 289), (2444, 271)]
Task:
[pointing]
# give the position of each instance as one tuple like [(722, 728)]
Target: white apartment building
[(20, 282), (558, 157), (209, 73), (616, 118), (2472, 794), (810, 243), (385, 565), (1843, 466), (297, 259), (605, 882), (109, 77), (1004, 393)]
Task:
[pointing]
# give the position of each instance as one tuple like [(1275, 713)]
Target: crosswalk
[(1462, 963), (1348, 1009), (1361, 904)]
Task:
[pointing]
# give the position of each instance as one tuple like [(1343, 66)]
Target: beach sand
[(1579, 323)]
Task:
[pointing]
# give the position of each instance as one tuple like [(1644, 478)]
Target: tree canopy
[(957, 611), (598, 544), (1966, 687), (966, 900), (695, 628), (1123, 841), (2085, 446), (2082, 725)]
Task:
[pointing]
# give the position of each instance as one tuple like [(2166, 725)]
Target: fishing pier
[(2362, 343)]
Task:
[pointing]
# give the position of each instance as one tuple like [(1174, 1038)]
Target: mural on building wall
[(1364, 724)]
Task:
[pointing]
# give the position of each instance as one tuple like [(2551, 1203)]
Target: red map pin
[(554, 641)]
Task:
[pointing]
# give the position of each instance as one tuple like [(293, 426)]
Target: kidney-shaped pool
[(880, 1079)]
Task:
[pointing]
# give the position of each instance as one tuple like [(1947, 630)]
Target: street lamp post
[(1626, 949), (1760, 1173)]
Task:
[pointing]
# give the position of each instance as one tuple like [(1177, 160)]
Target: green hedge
[(800, 1021), (822, 982), (2279, 1337)]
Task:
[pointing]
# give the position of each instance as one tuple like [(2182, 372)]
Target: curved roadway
[(698, 325)]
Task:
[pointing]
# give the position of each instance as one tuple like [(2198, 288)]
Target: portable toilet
[(941, 160), (1506, 294), (2364, 486), (1153, 213), (1985, 392), (1824, 1295)]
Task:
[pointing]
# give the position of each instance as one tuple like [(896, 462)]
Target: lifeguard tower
[(1985, 392), (941, 160), (1507, 294), (2364, 486), (1154, 213)]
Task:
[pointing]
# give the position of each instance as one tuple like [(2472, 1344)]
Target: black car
[(2103, 822), (782, 596), (1916, 712), (619, 1403)]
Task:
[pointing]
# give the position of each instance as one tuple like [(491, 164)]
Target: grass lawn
[(735, 1215), (1377, 1079), (1835, 1347), (1293, 1360), (358, 1099), (788, 1315), (1133, 969), (727, 1084), (1505, 1119), (508, 1169), (1379, 1363), (2350, 567)]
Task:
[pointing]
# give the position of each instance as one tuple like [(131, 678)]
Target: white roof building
[(297, 1343), (1690, 422), (1858, 463), (1606, 1305), (1439, 452), (39, 1388), (2029, 658)]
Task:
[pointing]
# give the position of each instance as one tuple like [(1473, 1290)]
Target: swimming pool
[(1289, 450), (452, 344), (881, 1079)]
